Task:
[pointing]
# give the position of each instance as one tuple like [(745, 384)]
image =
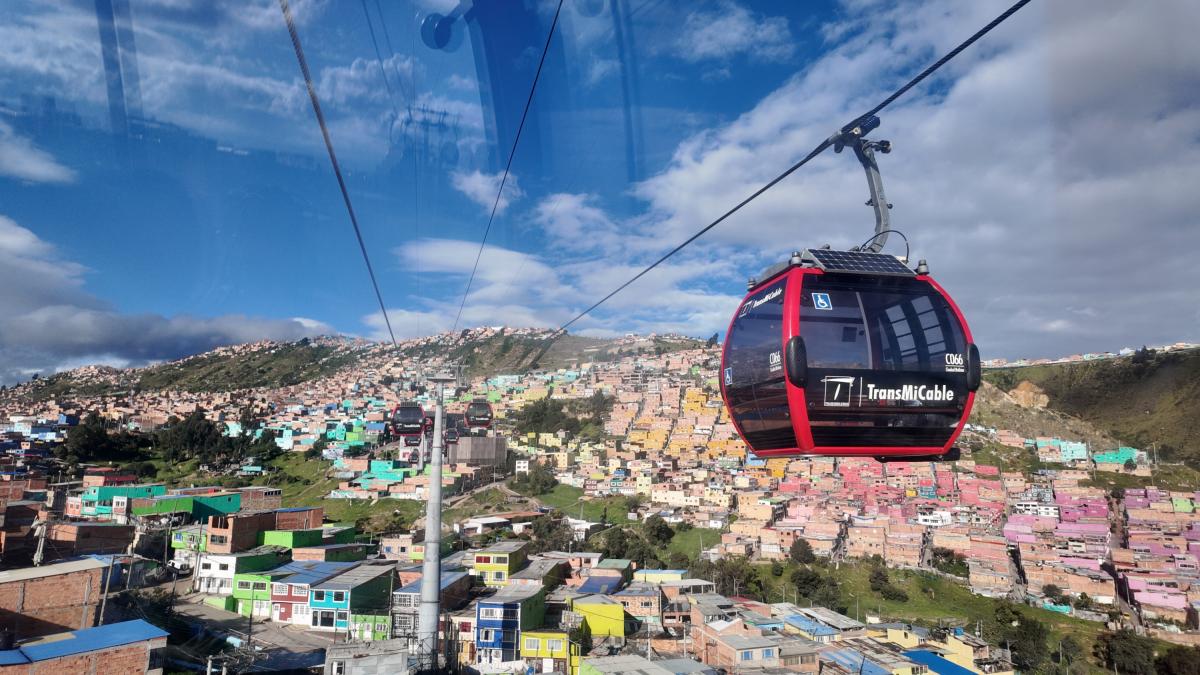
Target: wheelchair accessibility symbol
[(822, 301)]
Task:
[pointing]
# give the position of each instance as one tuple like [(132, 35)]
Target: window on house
[(243, 585), (500, 560), (768, 653), (338, 668), (647, 603), (533, 644), (747, 655), (318, 596), (343, 615), (490, 613), (279, 589), (260, 585), (339, 596), (224, 567), (206, 566), (380, 627), (483, 559), (555, 646)]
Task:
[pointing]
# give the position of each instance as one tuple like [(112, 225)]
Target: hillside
[(1138, 401), (996, 408), (275, 364)]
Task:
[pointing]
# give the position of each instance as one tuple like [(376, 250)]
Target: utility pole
[(107, 583), (431, 574)]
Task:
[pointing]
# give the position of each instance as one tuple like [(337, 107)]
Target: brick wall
[(299, 520), (35, 607), (131, 658)]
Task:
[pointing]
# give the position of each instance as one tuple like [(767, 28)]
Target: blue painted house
[(500, 619), (354, 599)]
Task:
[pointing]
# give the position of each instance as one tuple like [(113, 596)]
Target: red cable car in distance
[(850, 353), (479, 415)]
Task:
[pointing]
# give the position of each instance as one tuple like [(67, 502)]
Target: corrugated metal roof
[(91, 639), (50, 570)]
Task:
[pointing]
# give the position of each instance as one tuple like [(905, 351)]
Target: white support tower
[(431, 574)]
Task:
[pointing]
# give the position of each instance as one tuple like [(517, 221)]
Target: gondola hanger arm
[(855, 136)]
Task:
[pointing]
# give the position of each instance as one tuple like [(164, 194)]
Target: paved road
[(285, 637)]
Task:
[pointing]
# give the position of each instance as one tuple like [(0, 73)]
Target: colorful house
[(549, 651), (496, 563), (357, 601), (215, 572), (290, 594), (500, 620), (605, 617)]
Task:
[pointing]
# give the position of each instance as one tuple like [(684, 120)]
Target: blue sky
[(1062, 144)]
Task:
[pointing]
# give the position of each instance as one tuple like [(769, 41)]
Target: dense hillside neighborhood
[(609, 521)]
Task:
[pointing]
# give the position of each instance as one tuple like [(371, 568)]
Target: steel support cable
[(337, 169), (379, 57), (508, 165), (807, 158)]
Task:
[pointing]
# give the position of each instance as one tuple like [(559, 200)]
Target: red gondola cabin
[(849, 354)]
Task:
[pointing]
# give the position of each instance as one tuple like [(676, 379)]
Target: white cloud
[(1052, 151), (599, 70), (49, 322), (20, 159), (731, 30), (481, 188)]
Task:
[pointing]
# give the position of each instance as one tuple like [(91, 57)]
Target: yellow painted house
[(496, 563), (960, 650), (549, 651), (605, 617)]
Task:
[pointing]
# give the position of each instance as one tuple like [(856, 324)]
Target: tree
[(1027, 641), (657, 530), (801, 552), (551, 534), (1126, 651), (1053, 593), (545, 415), (879, 579), (1179, 660), (776, 568), (679, 560), (1069, 651), (1130, 465), (806, 581), (582, 636), (539, 480), (949, 561)]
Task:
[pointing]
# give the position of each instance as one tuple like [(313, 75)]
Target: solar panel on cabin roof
[(858, 262)]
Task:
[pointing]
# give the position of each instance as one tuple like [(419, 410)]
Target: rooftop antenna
[(431, 574)]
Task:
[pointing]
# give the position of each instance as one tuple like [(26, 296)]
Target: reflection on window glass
[(901, 325)]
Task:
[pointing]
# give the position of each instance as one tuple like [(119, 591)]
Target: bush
[(801, 552)]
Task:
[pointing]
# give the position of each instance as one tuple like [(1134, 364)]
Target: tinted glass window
[(886, 362), (753, 371), (879, 324)]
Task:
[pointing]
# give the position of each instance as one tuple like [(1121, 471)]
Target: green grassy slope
[(1155, 401)]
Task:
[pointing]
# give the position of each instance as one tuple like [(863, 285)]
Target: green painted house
[(199, 506), (97, 500), (292, 538)]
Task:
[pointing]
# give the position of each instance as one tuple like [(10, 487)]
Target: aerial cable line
[(824, 145), (387, 40), (378, 56), (337, 169), (508, 165)]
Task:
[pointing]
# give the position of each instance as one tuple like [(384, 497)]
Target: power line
[(508, 165), (337, 169), (825, 144), (378, 57)]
